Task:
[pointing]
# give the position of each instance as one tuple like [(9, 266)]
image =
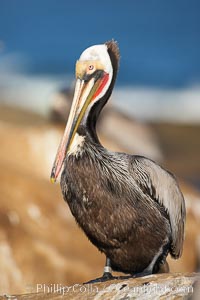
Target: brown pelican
[(129, 207)]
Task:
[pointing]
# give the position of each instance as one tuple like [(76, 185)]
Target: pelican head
[(95, 75)]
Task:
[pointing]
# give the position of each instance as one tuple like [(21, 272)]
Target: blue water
[(159, 40)]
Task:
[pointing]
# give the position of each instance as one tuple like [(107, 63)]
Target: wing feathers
[(163, 188)]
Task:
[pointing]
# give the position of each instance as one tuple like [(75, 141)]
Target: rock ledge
[(162, 286)]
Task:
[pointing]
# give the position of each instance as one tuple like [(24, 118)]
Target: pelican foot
[(106, 276), (142, 274)]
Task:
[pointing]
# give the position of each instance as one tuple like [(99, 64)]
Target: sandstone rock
[(154, 287)]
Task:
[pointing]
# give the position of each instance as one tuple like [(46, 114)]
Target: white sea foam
[(172, 105), (29, 91), (150, 104)]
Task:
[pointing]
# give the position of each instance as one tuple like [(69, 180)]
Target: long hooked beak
[(85, 92)]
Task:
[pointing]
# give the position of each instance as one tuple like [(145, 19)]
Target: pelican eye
[(91, 67)]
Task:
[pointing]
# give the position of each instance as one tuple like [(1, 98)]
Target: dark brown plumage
[(128, 206)]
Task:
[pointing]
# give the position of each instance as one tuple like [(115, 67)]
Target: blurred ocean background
[(159, 78), (155, 112)]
